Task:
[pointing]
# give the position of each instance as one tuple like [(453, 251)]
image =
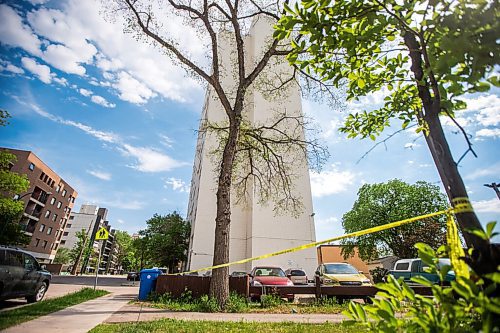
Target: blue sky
[(117, 120)]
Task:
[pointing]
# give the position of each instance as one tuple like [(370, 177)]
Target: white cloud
[(177, 185), (85, 92), (150, 159), (166, 141), (131, 90), (38, 2), (487, 206), (8, 67), (120, 221), (14, 33), (100, 174), (65, 59), (487, 132), (41, 71), (493, 170), (411, 145), (330, 182), (102, 101)]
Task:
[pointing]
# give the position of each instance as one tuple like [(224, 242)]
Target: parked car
[(342, 274), (298, 276), (22, 276), (408, 268), (133, 276), (270, 276), (238, 274)]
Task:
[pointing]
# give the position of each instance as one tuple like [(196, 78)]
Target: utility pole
[(495, 187)]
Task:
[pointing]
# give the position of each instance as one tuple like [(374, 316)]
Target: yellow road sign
[(101, 234)]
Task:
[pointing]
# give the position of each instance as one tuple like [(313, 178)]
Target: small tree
[(11, 184), (214, 21), (80, 251), (166, 240), (379, 204), (63, 256), (424, 54), (124, 244)]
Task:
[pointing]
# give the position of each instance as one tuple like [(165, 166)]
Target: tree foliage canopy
[(11, 183), (379, 204), (166, 240), (363, 45)]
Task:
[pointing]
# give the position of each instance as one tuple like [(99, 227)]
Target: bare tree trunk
[(219, 283), (483, 260)]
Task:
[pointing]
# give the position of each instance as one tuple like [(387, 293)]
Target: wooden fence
[(199, 285)]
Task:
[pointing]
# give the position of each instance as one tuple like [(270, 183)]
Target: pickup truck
[(408, 268)]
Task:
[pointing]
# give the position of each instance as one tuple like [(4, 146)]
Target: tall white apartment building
[(255, 228)]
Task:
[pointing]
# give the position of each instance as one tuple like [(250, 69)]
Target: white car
[(298, 276)]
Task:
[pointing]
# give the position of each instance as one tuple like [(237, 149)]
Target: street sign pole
[(98, 264)]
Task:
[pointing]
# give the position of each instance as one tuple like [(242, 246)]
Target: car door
[(31, 274), (14, 272)]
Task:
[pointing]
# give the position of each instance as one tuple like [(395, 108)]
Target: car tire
[(39, 293)]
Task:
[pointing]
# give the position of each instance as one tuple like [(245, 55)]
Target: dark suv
[(21, 276)]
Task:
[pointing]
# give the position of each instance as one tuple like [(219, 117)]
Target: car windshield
[(297, 273), (442, 262), (269, 271), (340, 269)]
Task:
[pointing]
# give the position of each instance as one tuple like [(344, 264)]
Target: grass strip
[(29, 312), (184, 326)]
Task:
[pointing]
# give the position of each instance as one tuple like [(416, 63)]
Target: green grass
[(183, 326), (16, 316)]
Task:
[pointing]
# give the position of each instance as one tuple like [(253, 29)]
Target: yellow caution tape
[(461, 205), (456, 250), (306, 246)]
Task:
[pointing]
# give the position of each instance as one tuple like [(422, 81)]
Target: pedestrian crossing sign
[(102, 234)]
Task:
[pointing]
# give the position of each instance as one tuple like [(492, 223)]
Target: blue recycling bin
[(148, 282)]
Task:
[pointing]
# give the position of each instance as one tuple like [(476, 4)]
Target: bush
[(469, 305), (269, 301), (236, 303), (208, 304), (378, 274)]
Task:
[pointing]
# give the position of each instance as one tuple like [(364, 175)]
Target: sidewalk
[(134, 313), (79, 318)]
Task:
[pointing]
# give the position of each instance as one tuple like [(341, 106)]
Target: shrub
[(378, 274), (469, 305), (236, 303), (208, 304), (269, 301)]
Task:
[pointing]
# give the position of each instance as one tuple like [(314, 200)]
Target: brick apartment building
[(48, 204)]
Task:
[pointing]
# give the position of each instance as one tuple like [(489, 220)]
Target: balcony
[(32, 214)]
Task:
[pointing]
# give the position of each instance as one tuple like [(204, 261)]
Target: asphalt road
[(62, 285)]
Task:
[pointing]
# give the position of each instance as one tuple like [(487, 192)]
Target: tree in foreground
[(424, 55), (63, 256), (379, 204), (166, 240), (258, 150)]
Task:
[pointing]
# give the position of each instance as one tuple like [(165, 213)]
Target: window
[(59, 204), (68, 226), (37, 242), (45, 244), (29, 262), (71, 217), (52, 201), (57, 233), (55, 246), (49, 230), (64, 193), (47, 213), (42, 175), (32, 167), (402, 266), (65, 233), (63, 242), (42, 227), (58, 188), (54, 218), (14, 258)]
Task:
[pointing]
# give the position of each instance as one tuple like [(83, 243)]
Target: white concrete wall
[(255, 228)]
